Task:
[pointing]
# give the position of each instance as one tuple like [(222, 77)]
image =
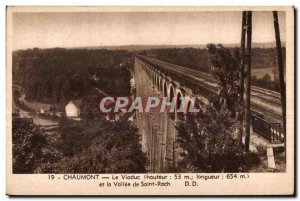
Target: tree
[(227, 68), (28, 142), (208, 139), (73, 138), (208, 144), (49, 161), (266, 78)]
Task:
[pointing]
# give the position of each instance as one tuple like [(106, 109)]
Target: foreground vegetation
[(211, 140), (102, 147)]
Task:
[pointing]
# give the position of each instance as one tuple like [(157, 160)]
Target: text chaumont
[(81, 177)]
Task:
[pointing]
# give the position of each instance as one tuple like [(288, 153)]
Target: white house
[(73, 109)]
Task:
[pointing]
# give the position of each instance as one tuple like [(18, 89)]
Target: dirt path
[(36, 119)]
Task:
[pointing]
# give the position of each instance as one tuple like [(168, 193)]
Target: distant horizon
[(130, 45)]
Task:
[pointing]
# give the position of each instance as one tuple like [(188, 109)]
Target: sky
[(47, 30)]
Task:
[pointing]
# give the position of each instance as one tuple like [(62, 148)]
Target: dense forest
[(200, 59), (265, 57), (55, 75), (189, 57)]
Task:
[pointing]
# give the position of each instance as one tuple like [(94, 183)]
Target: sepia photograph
[(150, 91)]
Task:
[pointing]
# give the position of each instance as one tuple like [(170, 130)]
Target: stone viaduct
[(157, 78)]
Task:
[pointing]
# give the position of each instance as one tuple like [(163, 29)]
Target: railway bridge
[(154, 77)]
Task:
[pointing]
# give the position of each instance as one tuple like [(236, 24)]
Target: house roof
[(77, 102)]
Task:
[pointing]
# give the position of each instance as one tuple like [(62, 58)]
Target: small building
[(73, 109), (38, 107)]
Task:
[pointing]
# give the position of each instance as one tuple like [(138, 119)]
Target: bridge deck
[(263, 101)]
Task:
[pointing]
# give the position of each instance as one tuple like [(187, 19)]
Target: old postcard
[(150, 101)]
